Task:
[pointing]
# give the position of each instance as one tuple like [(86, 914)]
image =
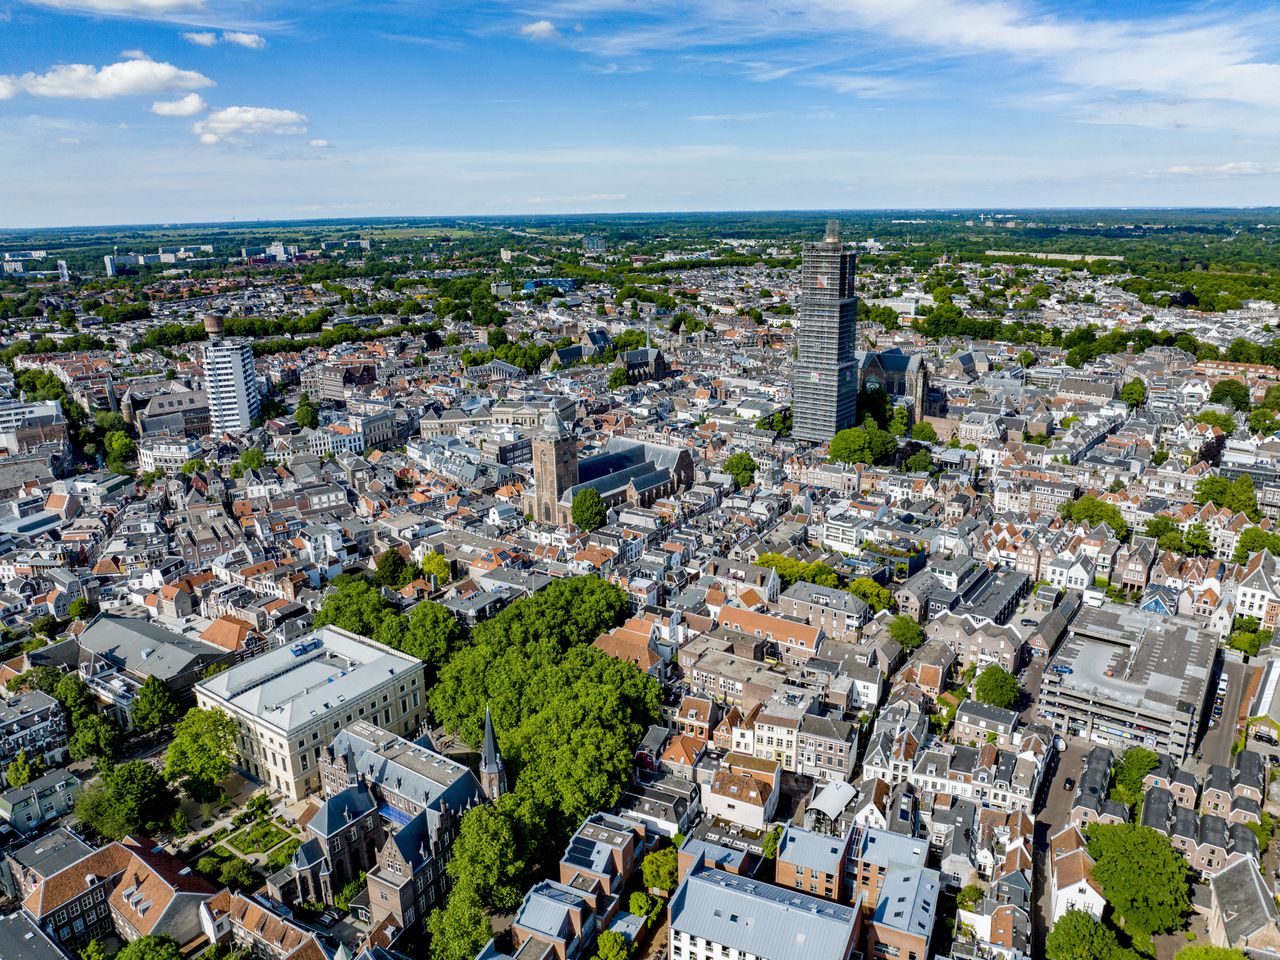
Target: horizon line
[(427, 218)]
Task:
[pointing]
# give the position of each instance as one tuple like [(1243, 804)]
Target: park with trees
[(567, 719)]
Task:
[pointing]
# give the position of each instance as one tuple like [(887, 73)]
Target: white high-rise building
[(230, 382)]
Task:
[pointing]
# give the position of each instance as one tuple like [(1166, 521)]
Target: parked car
[(1068, 784)]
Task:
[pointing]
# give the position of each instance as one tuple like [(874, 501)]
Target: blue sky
[(127, 111)]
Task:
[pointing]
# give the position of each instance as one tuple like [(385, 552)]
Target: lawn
[(258, 838), (222, 866), (282, 854)]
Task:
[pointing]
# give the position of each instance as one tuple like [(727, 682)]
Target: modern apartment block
[(290, 702), (825, 384), (230, 382), (1125, 677)]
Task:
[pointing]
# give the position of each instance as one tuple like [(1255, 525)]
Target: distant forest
[(1213, 258)]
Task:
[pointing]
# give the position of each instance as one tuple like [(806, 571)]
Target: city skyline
[(114, 111)]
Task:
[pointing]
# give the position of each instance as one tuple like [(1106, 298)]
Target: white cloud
[(319, 144), (187, 106), (813, 113), (859, 85), (540, 30), (1173, 61), (83, 81), (207, 38), (731, 117), (134, 54), (232, 124), (128, 8), (1237, 168), (254, 41)]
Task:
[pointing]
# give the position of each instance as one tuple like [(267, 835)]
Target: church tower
[(555, 467), (493, 773)]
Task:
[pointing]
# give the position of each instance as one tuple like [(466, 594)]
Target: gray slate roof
[(761, 919)]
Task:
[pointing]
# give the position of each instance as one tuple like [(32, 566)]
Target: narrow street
[(1215, 746), (1051, 819)]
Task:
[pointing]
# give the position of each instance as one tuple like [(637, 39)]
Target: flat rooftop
[(1125, 656), (327, 671), (55, 851)]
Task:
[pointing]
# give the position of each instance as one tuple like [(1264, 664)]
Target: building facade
[(825, 386), (290, 702), (555, 467), (230, 382)]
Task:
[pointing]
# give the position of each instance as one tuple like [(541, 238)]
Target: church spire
[(493, 774)]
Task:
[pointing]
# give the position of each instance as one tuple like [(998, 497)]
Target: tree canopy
[(1223, 421), (23, 769), (429, 632), (93, 736), (306, 414), (871, 593), (1134, 393), (924, 432), (612, 945), (1206, 952), (865, 444), (1143, 878), (792, 571), (660, 870), (1077, 936), (436, 565), (742, 467), (459, 930), (906, 631), (919, 462), (151, 947), (1128, 774), (201, 751), (588, 509), (130, 797), (74, 695), (1232, 393), (154, 706), (567, 719), (997, 687), (1236, 495), (1252, 540), (393, 570), (1092, 511)]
